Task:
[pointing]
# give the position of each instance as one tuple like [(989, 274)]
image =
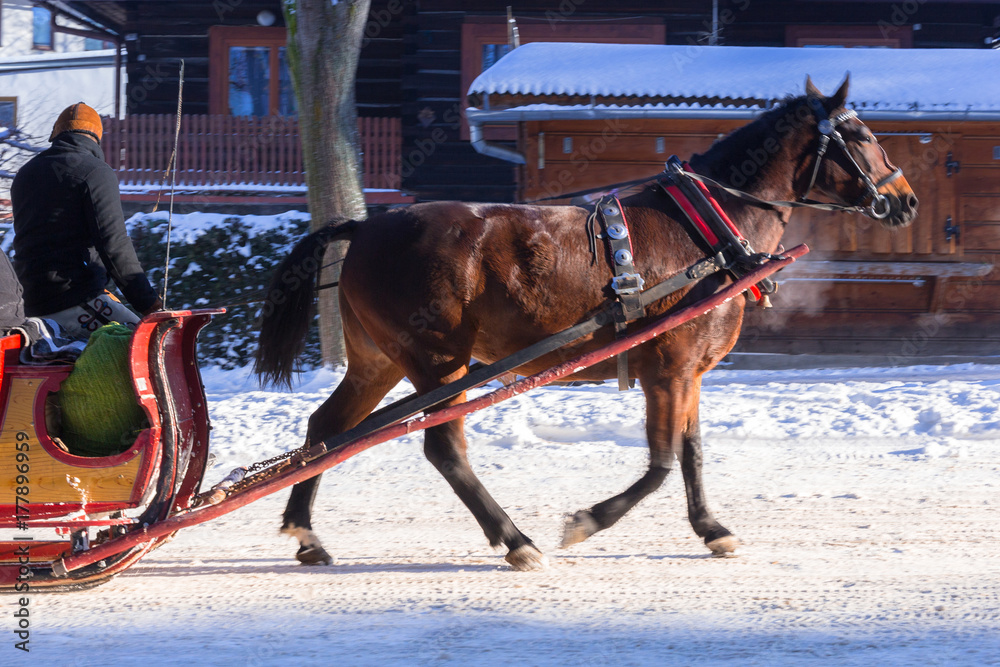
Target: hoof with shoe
[(311, 551), (526, 558), (577, 528), (313, 555), (724, 546)]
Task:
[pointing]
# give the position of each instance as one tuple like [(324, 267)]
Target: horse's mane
[(738, 145)]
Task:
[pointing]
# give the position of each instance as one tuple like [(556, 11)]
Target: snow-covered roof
[(644, 76)]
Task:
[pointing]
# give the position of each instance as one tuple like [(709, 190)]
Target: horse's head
[(850, 166)]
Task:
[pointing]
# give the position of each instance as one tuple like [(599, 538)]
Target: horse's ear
[(811, 89), (840, 97)]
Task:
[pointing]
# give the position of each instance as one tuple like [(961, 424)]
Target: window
[(484, 42), (91, 44), (900, 37), (41, 28), (249, 73), (493, 53), (8, 112)]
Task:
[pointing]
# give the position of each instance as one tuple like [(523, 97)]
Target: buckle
[(627, 283)]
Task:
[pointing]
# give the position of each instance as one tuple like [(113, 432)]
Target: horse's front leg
[(668, 411), (716, 536), (445, 448)]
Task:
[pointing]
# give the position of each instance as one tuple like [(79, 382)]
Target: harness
[(728, 249)]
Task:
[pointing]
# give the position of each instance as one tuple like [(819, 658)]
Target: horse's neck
[(772, 178)]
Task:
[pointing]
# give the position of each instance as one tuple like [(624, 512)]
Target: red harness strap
[(699, 222)]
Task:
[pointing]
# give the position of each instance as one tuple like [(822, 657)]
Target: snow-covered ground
[(866, 501)]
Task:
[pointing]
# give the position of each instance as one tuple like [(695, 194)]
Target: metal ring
[(825, 126), (623, 257), (877, 201), (617, 231)]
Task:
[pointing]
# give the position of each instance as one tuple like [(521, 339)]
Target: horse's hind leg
[(370, 375)]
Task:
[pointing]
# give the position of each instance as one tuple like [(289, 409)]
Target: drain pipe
[(482, 146)]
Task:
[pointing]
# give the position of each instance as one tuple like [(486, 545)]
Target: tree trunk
[(324, 42)]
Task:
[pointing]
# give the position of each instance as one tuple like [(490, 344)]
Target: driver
[(69, 233)]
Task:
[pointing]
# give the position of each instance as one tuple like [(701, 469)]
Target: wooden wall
[(438, 160), (910, 292), (165, 32), (943, 24), (411, 63)]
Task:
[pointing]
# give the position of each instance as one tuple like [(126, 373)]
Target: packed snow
[(866, 500)]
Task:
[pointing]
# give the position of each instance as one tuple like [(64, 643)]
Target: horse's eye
[(868, 139)]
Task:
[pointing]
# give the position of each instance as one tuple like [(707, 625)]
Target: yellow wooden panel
[(50, 480)]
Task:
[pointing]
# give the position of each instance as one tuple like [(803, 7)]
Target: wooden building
[(601, 114), (419, 56)]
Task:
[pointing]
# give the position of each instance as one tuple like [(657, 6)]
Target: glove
[(157, 305)]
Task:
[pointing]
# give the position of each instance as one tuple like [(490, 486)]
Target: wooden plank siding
[(433, 83), (822, 314)]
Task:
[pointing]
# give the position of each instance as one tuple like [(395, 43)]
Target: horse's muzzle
[(898, 210)]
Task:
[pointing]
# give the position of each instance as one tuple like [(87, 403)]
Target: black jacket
[(69, 230)]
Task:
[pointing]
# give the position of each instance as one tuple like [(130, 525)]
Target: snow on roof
[(100, 58), (953, 80)]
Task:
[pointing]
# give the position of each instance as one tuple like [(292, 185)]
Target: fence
[(217, 152)]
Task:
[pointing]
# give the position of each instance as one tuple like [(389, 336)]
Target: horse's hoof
[(313, 555), (724, 546), (526, 558), (311, 551), (577, 528)]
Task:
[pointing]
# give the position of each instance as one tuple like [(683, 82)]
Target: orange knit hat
[(78, 117)]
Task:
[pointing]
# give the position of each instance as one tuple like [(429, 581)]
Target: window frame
[(5, 98), (220, 39), (848, 36), (478, 31)]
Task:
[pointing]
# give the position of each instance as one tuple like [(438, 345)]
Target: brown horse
[(427, 287)]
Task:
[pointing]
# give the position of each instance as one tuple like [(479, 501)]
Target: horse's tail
[(288, 307)]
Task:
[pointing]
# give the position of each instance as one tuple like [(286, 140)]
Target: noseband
[(879, 206)]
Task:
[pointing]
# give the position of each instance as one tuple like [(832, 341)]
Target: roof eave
[(484, 116)]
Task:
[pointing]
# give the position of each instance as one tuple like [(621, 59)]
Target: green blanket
[(100, 413)]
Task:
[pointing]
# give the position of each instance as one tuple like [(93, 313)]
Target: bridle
[(878, 207)]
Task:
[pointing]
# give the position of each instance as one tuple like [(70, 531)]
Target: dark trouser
[(84, 319)]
